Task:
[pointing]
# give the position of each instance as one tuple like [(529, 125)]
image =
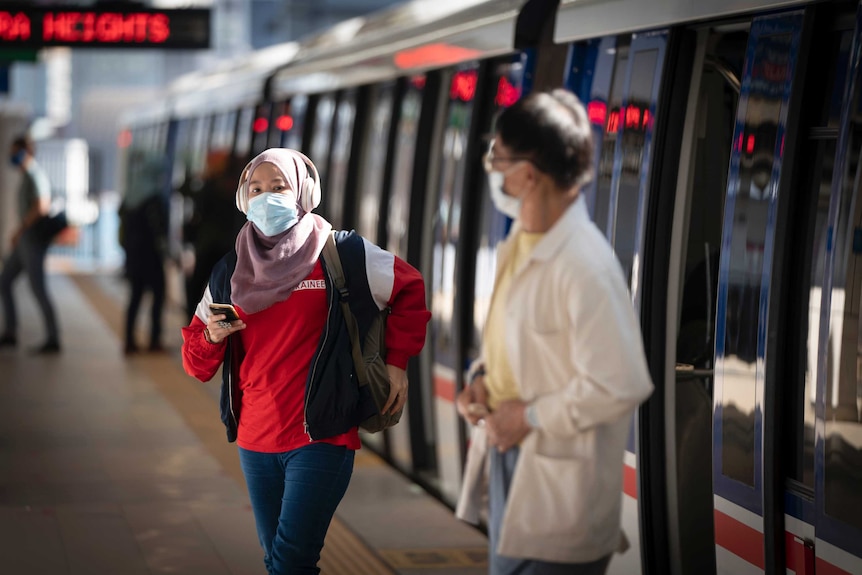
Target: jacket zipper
[(316, 360)]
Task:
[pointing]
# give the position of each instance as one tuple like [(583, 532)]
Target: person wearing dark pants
[(144, 238), (29, 248)]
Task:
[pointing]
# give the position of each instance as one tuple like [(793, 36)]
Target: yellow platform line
[(344, 553)]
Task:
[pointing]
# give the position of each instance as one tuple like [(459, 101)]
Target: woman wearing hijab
[(287, 364)]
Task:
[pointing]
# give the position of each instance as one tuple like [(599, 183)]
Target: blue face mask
[(272, 213)]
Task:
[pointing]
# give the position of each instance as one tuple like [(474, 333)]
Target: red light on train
[(433, 55), (124, 140), (284, 123), (597, 112), (463, 85), (749, 144), (633, 117), (507, 94), (613, 122), (14, 26), (260, 125), (418, 82)]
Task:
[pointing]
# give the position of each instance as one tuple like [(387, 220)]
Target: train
[(728, 138)]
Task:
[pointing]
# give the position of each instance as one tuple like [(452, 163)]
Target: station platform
[(115, 465)]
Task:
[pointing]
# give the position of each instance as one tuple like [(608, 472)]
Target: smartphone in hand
[(224, 308)]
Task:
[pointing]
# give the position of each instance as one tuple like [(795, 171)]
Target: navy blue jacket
[(334, 403)]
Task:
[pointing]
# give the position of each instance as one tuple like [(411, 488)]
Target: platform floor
[(112, 466)]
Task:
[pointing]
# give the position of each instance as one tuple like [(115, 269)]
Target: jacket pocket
[(559, 498)]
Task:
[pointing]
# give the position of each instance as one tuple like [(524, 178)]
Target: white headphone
[(309, 189)]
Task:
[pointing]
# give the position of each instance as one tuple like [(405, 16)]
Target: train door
[(821, 481), (413, 441), (619, 80), (445, 203), (373, 196)]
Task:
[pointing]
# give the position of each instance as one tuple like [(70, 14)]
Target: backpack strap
[(333, 264)]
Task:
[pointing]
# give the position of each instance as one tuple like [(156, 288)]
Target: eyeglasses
[(490, 158)]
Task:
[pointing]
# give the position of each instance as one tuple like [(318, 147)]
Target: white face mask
[(509, 205), (272, 213)]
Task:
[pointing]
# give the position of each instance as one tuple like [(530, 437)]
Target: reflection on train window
[(594, 70), (605, 153), (712, 139), (635, 122), (820, 147), (374, 163), (320, 144), (446, 231), (242, 147), (756, 146), (843, 386), (292, 123), (402, 185), (493, 225), (260, 128), (338, 161)]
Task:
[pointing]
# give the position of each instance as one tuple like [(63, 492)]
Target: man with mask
[(562, 367), (28, 248)]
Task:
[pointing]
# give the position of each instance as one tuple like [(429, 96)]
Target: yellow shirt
[(499, 381)]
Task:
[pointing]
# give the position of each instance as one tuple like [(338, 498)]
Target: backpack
[(369, 357)]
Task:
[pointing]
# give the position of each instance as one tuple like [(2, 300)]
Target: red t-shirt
[(280, 343)]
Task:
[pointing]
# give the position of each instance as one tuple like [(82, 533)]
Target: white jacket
[(575, 348)]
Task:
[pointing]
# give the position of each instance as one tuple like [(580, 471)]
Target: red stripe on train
[(739, 539), (630, 481), (444, 388)]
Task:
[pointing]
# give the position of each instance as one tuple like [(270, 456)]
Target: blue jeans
[(294, 495), (500, 480)]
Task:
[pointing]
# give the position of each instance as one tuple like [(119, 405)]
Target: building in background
[(80, 94)]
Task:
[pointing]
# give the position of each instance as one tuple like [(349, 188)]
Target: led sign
[(103, 27)]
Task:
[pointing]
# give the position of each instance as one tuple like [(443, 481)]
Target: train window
[(322, 136), (493, 225), (291, 124), (200, 142), (402, 176), (636, 125), (592, 66), (260, 128), (842, 393), (820, 148), (242, 142), (755, 145), (375, 148), (340, 158), (605, 154), (445, 238)]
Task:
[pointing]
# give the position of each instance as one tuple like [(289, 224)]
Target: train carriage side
[(726, 183), (399, 136)]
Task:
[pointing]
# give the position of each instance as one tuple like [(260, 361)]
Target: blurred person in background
[(213, 224), (29, 247), (290, 397), (144, 237), (562, 367)]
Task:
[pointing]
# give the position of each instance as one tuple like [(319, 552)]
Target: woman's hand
[(472, 402), (397, 390), (218, 328)]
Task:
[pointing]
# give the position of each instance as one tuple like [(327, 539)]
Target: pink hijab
[(269, 268)]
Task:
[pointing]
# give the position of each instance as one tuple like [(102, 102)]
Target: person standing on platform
[(144, 237), (562, 367), (289, 394), (29, 248)]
